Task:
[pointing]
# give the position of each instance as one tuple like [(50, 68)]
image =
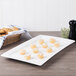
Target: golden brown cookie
[(57, 45), (27, 57), (52, 40), (33, 46), (22, 52), (41, 41), (2, 31), (40, 56), (44, 45), (35, 50), (49, 50), (15, 29), (7, 29)]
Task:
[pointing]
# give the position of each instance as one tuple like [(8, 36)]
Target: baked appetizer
[(41, 41), (57, 45), (2, 31), (52, 40), (35, 50), (7, 29), (27, 57), (22, 52), (15, 29), (49, 50), (33, 46), (44, 45), (40, 56)]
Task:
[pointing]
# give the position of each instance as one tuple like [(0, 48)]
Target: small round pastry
[(7, 29), (22, 52), (27, 57), (40, 56), (35, 50), (57, 45), (44, 45), (2, 31), (33, 46), (41, 41), (49, 50), (52, 40), (15, 29)]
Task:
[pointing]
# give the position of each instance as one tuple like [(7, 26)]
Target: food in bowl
[(15, 29), (4, 31)]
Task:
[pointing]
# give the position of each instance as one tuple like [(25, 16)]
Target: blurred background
[(37, 15)]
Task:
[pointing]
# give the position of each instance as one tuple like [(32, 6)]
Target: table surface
[(62, 64)]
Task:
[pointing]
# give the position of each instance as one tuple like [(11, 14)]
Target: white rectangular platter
[(14, 53)]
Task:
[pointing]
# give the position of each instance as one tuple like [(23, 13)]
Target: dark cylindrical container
[(72, 33)]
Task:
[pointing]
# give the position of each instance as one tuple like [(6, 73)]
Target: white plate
[(14, 53)]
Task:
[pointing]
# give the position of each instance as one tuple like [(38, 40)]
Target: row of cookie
[(35, 51), (28, 56), (44, 45), (51, 40)]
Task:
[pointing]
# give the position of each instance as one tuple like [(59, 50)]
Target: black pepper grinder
[(72, 33)]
